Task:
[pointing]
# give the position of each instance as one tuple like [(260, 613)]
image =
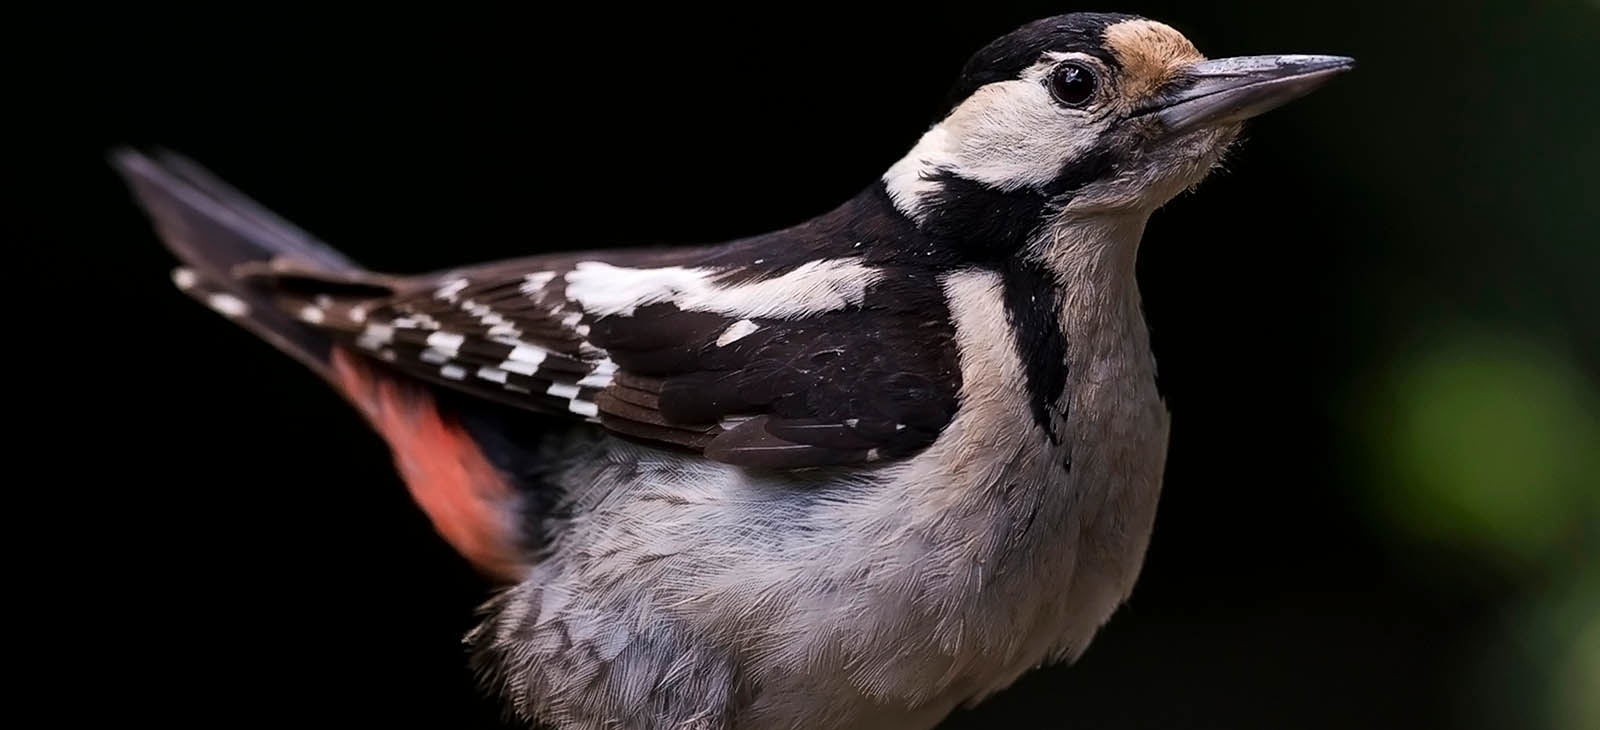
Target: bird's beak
[(1229, 90)]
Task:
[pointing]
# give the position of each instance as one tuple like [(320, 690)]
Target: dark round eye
[(1072, 84)]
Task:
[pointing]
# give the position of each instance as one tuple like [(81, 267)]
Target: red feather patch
[(466, 498)]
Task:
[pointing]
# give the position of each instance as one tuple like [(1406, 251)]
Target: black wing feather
[(872, 382)]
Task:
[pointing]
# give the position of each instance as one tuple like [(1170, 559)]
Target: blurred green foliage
[(1494, 443), (1487, 444), (1581, 692), (1474, 330), (1578, 683)]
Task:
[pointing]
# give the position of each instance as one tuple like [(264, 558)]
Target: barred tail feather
[(298, 294), (218, 234)]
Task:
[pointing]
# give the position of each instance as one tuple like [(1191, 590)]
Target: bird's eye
[(1072, 84)]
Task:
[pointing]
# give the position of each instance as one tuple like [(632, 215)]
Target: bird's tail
[(228, 245), (276, 281)]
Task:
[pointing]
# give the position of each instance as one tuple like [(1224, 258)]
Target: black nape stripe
[(1033, 305), (992, 228), (984, 225), (1096, 164), (981, 224)]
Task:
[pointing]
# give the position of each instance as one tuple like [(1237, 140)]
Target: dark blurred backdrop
[(1379, 330)]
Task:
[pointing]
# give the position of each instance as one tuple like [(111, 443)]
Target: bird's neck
[(1092, 257), (1085, 302)]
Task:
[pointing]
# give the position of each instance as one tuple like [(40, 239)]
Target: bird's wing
[(778, 370)]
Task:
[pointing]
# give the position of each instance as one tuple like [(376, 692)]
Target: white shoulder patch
[(816, 286)]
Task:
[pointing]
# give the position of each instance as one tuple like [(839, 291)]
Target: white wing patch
[(814, 287)]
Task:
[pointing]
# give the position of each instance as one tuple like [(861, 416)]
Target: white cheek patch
[(1007, 135), (1012, 134), (816, 286), (907, 180)]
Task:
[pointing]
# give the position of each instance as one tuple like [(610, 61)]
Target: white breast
[(879, 597)]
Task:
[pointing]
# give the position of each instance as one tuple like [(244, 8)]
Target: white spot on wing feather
[(415, 321), (532, 283), (736, 331), (519, 367), (184, 279), (375, 335), (451, 290), (227, 305), (449, 342), (527, 354)]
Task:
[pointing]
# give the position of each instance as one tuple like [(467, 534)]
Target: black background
[(228, 542)]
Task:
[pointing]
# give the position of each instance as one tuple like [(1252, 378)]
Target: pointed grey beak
[(1229, 90)]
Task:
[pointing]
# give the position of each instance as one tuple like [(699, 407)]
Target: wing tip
[(130, 160), (752, 444)]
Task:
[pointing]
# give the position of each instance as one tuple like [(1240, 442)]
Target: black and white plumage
[(849, 474), (804, 347)]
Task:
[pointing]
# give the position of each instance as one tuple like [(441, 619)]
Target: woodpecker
[(847, 475)]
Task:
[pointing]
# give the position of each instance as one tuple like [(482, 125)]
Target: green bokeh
[(1487, 444), (1491, 442), (1578, 689)]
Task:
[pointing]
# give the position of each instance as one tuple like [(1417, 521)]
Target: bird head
[(1089, 112)]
